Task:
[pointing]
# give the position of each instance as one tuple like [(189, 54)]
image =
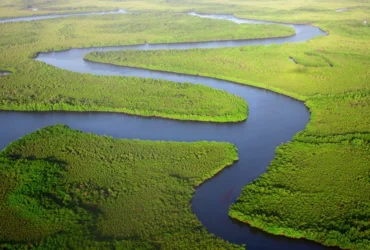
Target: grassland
[(61, 188), (317, 186)]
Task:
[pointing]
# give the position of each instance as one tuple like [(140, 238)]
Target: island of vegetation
[(35, 86), (64, 189)]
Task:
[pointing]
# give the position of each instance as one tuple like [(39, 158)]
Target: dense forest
[(61, 188)]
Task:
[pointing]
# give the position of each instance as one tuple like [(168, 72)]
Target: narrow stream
[(273, 119), (4, 73)]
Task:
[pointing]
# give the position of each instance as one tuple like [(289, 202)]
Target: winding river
[(273, 119)]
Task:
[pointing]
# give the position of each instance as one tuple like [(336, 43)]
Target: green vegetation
[(317, 186), (38, 87), (316, 191), (339, 114), (269, 66), (61, 188), (308, 9)]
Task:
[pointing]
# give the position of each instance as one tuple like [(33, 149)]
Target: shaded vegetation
[(61, 188)]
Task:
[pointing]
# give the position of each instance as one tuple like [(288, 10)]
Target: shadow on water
[(273, 119)]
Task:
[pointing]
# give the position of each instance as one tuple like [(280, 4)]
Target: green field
[(64, 189)]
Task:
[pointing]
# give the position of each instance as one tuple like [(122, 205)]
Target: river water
[(273, 119)]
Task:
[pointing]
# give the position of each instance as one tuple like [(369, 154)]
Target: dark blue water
[(273, 120)]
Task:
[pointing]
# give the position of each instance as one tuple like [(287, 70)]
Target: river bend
[(273, 119)]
